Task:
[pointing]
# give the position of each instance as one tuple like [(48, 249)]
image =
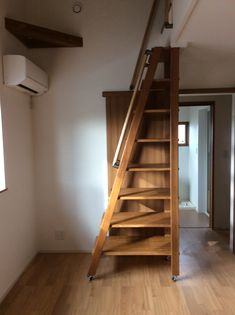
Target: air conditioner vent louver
[(22, 74), (27, 88)]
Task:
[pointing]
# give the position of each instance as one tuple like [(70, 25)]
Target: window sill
[(2, 191)]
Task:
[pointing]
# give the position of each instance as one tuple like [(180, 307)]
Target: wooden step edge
[(136, 219), (157, 111), (153, 140), (145, 194), (140, 226), (148, 168), (137, 246), (159, 84), (163, 197), (161, 81)]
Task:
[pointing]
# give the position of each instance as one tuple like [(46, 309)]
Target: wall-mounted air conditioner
[(22, 74)]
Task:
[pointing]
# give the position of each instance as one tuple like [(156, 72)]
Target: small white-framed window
[(2, 164), (183, 133)]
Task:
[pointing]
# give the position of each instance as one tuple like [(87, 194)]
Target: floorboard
[(193, 219), (56, 283)]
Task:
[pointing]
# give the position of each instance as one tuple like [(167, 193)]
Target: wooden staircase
[(142, 213)]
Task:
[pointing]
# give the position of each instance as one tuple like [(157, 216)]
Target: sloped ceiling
[(209, 59)]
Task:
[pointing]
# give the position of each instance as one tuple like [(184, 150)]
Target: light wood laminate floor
[(56, 283)]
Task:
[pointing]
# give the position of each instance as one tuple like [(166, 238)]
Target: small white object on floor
[(186, 205)]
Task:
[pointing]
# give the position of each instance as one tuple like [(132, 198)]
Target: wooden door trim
[(229, 90), (195, 92), (212, 158)]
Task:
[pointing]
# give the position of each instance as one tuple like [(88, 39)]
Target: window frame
[(186, 124)]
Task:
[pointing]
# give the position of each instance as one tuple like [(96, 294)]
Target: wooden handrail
[(144, 42), (143, 63)]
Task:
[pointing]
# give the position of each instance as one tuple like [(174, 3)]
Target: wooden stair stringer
[(125, 159), (174, 101)]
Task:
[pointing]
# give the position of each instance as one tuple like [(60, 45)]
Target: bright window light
[(183, 133), (2, 167)]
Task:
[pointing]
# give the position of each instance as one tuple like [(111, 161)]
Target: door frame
[(212, 150)]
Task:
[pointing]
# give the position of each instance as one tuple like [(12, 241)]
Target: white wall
[(222, 162), (182, 10), (184, 178), (17, 212), (193, 159), (209, 52), (70, 120), (193, 156), (203, 159), (232, 186), (188, 158), (222, 153), (69, 129)]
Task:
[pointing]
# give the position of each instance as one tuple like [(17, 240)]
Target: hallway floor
[(193, 219), (56, 283)]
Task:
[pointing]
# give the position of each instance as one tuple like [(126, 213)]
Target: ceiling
[(209, 59)]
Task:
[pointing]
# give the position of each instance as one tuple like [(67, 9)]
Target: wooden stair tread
[(134, 219), (156, 136), (166, 80), (148, 167), (157, 111), (160, 84), (144, 193), (153, 140), (130, 245)]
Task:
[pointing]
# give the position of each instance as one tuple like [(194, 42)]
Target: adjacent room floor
[(193, 219), (57, 284)]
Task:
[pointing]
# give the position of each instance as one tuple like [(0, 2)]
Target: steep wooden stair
[(142, 213)]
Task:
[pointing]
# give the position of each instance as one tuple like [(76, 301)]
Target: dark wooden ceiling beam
[(34, 36)]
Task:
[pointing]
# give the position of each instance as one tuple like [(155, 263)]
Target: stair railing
[(144, 63), (139, 68)]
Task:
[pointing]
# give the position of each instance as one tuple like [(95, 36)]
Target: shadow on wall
[(184, 188), (70, 181)]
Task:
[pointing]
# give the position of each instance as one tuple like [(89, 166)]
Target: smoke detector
[(77, 7)]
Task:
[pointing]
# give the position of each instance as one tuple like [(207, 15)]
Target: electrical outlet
[(59, 235)]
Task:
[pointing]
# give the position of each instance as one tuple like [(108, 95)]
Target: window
[(2, 167), (183, 133)]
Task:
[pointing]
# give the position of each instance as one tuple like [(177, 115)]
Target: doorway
[(196, 165)]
